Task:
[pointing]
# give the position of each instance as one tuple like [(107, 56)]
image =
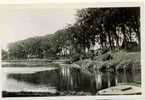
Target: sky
[(21, 22)]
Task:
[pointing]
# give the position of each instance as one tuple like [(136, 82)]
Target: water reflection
[(74, 79), (78, 80), (129, 77)]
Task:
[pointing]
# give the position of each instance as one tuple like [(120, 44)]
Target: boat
[(121, 90)]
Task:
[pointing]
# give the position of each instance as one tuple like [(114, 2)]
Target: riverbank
[(44, 94), (113, 61)]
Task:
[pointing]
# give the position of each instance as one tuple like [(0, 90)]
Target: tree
[(111, 28), (4, 54), (107, 24)]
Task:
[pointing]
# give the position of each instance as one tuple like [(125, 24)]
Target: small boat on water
[(121, 90)]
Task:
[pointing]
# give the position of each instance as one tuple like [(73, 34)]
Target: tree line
[(110, 28)]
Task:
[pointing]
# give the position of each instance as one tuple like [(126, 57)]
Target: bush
[(103, 68), (133, 46), (105, 50), (107, 57), (75, 57)]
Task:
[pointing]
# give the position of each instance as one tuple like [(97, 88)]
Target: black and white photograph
[(52, 51)]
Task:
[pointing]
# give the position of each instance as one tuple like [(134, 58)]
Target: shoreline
[(28, 94)]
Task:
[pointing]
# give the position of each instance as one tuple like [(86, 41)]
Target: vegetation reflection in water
[(74, 79)]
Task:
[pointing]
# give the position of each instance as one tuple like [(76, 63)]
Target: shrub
[(75, 57), (107, 57), (103, 68), (132, 47), (105, 50)]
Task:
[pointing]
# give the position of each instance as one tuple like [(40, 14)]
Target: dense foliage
[(110, 28)]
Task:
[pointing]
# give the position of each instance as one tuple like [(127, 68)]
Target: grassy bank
[(113, 61)]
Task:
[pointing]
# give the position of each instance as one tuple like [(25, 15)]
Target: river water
[(52, 79)]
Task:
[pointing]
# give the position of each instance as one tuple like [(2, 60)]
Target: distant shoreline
[(32, 63)]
